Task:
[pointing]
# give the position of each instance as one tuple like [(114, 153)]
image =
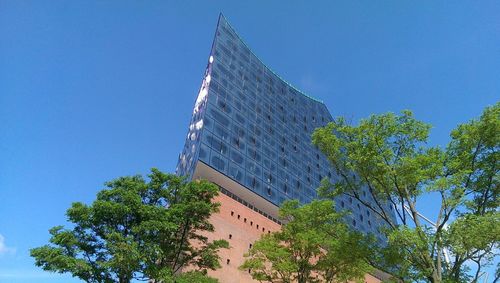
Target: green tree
[(314, 245), (388, 154), (137, 230)]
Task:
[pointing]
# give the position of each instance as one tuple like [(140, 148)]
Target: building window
[(232, 213), (230, 236)]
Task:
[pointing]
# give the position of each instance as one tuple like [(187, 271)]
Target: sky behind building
[(90, 91)]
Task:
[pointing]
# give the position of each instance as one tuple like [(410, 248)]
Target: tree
[(137, 230), (313, 246), (388, 154)]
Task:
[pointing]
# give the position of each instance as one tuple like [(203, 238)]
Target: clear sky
[(93, 90)]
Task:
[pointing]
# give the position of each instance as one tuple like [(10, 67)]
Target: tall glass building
[(250, 133)]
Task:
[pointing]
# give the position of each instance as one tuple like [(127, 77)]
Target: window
[(218, 163), (232, 213), (269, 178), (230, 236)]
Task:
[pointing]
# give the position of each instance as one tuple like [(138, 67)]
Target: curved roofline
[(262, 62)]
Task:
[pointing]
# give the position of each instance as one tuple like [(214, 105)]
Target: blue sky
[(93, 90)]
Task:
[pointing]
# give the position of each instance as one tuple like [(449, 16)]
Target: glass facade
[(255, 128)]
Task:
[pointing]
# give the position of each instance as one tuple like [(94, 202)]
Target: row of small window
[(240, 200), (250, 222)]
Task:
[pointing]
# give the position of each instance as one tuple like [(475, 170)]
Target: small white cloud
[(3, 248)]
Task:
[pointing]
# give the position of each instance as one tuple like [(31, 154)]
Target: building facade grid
[(255, 128)]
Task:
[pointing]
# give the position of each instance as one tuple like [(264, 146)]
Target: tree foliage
[(313, 246), (137, 230), (389, 155)]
